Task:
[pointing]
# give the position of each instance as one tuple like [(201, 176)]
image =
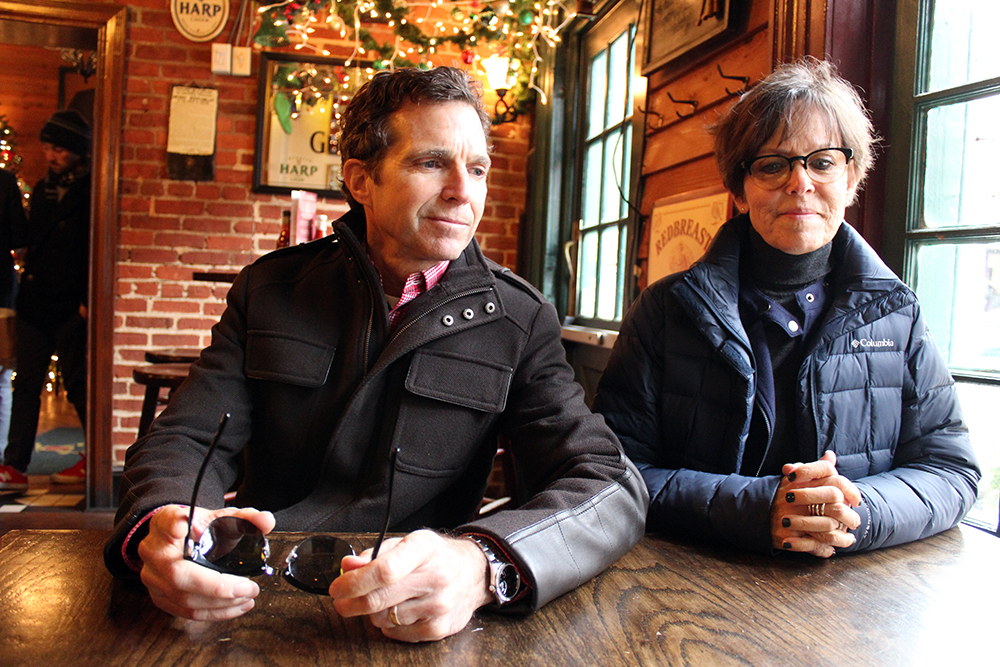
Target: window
[(951, 242), (604, 174)]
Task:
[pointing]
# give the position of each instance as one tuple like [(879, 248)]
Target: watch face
[(508, 581)]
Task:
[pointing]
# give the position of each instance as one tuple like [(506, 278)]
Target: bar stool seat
[(155, 377), (173, 355)]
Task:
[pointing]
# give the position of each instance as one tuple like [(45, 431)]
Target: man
[(394, 331), (52, 300)]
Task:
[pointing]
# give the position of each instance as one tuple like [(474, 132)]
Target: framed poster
[(300, 100), (682, 227), (674, 27)]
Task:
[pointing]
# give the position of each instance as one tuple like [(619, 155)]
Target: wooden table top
[(667, 602)]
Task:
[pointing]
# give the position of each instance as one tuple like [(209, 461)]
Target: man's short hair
[(365, 130), (783, 100)]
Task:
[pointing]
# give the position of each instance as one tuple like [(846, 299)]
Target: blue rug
[(56, 450)]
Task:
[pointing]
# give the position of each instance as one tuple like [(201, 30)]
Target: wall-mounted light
[(497, 75)]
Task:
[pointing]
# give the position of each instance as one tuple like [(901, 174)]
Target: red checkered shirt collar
[(415, 285)]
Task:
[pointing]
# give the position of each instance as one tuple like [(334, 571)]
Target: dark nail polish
[(791, 477), (789, 497), (786, 545), (786, 522)]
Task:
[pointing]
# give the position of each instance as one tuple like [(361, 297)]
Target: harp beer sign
[(199, 20)]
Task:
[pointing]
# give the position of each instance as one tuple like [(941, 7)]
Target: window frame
[(557, 185), (910, 103)]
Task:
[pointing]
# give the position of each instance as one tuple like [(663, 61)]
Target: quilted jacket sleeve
[(727, 508), (934, 475)]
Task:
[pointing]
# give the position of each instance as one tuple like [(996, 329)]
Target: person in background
[(11, 217), (784, 393), (52, 299), (394, 333)]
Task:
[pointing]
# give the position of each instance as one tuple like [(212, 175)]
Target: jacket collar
[(468, 283), (470, 270), (709, 290)]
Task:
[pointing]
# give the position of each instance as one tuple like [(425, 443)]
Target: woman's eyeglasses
[(236, 546), (823, 166)]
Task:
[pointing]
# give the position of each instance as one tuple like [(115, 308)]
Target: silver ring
[(817, 509), (841, 526), (392, 616)]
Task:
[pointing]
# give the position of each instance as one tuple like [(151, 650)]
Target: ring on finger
[(841, 526), (392, 616), (817, 509)]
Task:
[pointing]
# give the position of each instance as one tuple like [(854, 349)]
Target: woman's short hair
[(365, 130), (780, 101)]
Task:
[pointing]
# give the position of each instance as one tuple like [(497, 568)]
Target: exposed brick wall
[(169, 229)]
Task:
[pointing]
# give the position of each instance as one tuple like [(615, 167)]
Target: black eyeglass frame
[(330, 548), (747, 166)]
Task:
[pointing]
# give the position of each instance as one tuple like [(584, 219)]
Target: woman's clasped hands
[(812, 510)]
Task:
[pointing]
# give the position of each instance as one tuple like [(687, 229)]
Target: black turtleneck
[(782, 298)]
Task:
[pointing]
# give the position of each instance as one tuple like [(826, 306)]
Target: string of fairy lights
[(386, 34), (9, 158)]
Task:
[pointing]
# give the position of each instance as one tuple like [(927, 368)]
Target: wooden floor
[(51, 505)]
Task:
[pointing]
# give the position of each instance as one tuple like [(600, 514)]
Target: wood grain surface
[(667, 602)]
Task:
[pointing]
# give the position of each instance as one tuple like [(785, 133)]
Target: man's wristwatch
[(504, 579)]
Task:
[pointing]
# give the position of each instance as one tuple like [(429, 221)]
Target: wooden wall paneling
[(679, 179), (29, 91), (684, 141), (750, 58)]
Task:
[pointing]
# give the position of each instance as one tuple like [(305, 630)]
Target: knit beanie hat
[(68, 129)]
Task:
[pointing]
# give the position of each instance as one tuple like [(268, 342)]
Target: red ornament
[(468, 55)]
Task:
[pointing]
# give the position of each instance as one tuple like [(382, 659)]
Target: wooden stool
[(156, 377), (174, 355)]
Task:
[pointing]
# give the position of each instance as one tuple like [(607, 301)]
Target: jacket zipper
[(432, 309)]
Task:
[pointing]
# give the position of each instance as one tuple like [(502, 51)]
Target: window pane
[(979, 404), (618, 85), (587, 275), (598, 93), (607, 299), (591, 212), (959, 290), (625, 162), (612, 176), (963, 48), (960, 184), (631, 63)]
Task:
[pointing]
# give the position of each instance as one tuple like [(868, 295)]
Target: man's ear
[(357, 180)]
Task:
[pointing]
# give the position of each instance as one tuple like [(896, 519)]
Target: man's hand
[(431, 584), (184, 588), (794, 528)]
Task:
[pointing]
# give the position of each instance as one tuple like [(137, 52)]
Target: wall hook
[(693, 103), (745, 80), (659, 118)]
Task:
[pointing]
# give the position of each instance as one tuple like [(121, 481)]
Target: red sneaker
[(75, 474), (12, 480)]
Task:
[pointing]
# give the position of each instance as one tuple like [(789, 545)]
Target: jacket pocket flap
[(452, 378), (280, 358)]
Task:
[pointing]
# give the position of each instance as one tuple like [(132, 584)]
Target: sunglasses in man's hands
[(236, 546)]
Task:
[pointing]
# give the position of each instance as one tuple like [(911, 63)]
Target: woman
[(790, 341)]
